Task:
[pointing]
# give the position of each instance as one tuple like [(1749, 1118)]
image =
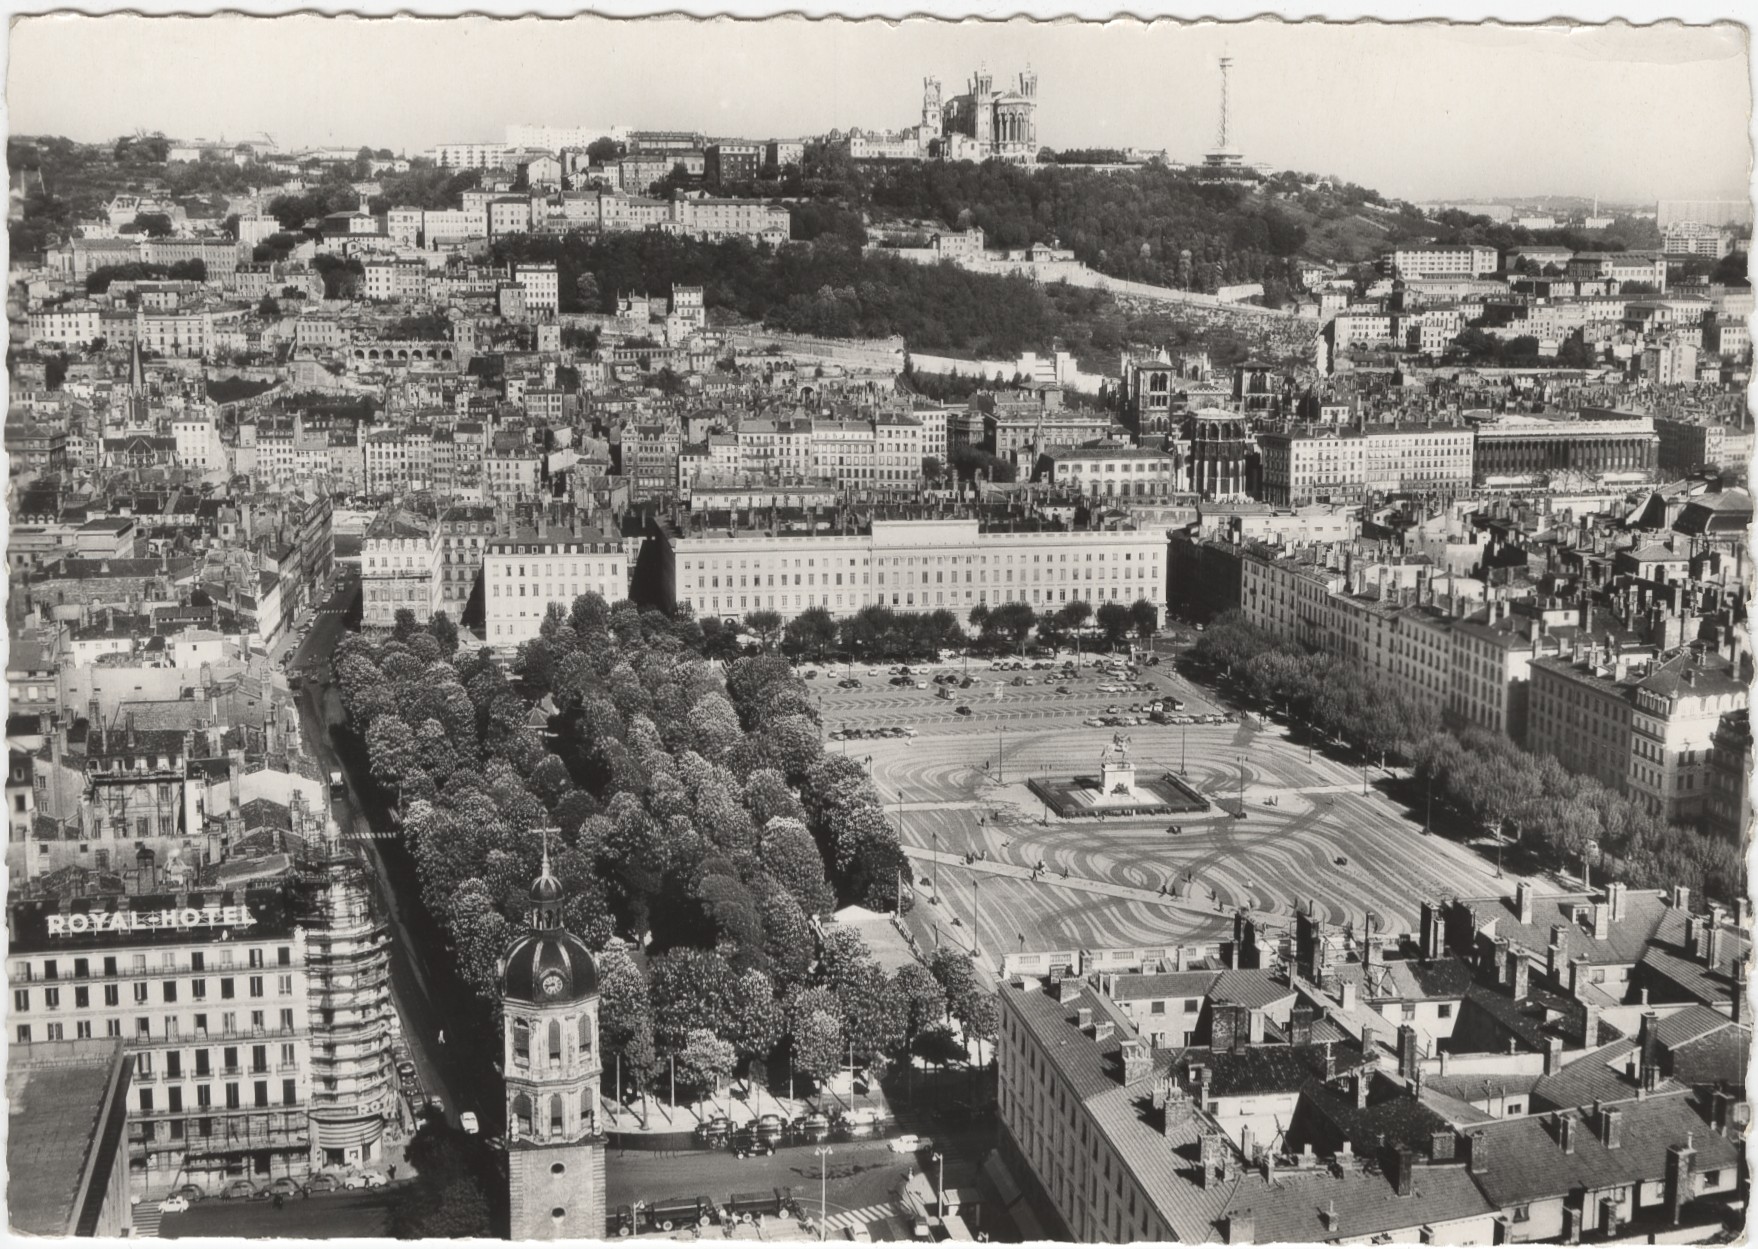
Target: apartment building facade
[(211, 993), (523, 573), (914, 566), (399, 568)]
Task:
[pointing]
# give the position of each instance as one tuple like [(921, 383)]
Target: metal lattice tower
[(1221, 137)]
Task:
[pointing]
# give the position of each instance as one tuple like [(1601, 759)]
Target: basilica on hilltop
[(981, 124)]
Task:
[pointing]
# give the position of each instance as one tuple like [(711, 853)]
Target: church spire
[(547, 894)]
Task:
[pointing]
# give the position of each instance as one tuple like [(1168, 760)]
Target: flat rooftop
[(54, 1107)]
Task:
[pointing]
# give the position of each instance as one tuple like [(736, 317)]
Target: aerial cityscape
[(679, 654)]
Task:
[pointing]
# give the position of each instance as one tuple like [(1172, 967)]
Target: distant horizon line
[(1463, 198)]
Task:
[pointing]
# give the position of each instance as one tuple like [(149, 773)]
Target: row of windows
[(231, 1093), (139, 992), (82, 968), (940, 560), (172, 1027), (900, 598), (713, 582)]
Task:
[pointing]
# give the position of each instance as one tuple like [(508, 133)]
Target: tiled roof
[(1295, 1206), (1086, 1067), (1624, 943), (1526, 1163), (1393, 1115), (1164, 1161), (1530, 1018), (1134, 986), (1668, 960), (1266, 1068), (1256, 989), (1599, 1076), (1441, 978), (1691, 1024)]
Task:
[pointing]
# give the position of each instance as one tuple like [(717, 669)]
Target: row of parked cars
[(701, 1213), (284, 1186), (856, 734), (765, 1133)]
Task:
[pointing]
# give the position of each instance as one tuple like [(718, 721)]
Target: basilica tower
[(555, 1151)]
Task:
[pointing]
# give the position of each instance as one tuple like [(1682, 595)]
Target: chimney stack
[(1429, 938), (1409, 1052), (1406, 1178), (1680, 1160), (1478, 1160), (1558, 956), (1648, 1045)]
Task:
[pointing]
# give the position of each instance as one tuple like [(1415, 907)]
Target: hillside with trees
[(697, 818), (830, 288)]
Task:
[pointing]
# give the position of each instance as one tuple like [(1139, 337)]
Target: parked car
[(174, 1205), (238, 1188), (676, 1212), (191, 1193), (745, 1143), (963, 710), (281, 1186), (908, 1143), (322, 1182)]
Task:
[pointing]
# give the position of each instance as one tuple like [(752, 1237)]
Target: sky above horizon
[(1418, 111)]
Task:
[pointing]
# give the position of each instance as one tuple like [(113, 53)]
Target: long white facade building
[(915, 566)]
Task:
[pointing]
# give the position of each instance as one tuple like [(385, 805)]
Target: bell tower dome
[(549, 1009)]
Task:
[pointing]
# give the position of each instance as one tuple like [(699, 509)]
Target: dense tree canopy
[(696, 817), (1506, 790)]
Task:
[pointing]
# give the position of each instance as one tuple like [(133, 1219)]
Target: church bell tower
[(555, 1150)]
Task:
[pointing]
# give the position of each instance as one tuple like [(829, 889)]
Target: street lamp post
[(976, 912), (1428, 812), (998, 754), (936, 879), (1183, 748), (939, 1159), (823, 1152)]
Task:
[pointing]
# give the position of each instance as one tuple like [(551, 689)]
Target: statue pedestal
[(1116, 778)]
